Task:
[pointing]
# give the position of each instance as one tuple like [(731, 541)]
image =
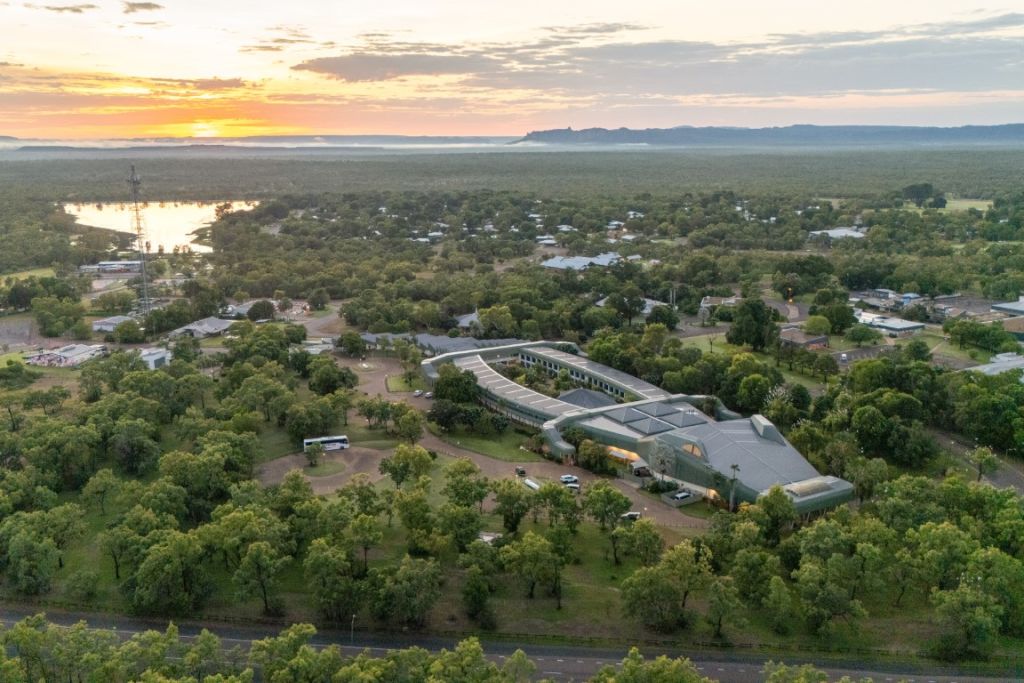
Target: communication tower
[(134, 183)]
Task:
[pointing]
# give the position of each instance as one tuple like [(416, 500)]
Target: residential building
[(108, 324)]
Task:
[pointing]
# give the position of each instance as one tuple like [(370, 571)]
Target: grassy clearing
[(940, 347), (32, 272), (325, 469), (397, 384), (505, 447), (712, 342)]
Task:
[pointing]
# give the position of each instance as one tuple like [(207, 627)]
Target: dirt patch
[(356, 460)]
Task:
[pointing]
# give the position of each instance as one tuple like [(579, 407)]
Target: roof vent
[(766, 430)]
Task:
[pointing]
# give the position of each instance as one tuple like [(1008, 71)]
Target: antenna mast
[(134, 183)]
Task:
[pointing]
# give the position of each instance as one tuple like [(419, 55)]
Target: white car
[(631, 516), (574, 488), (681, 495), (429, 394), (417, 393), (569, 479)]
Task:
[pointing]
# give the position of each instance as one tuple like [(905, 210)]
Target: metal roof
[(611, 375)]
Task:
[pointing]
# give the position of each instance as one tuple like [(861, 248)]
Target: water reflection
[(169, 225)]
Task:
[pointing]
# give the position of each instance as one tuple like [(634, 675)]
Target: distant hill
[(7, 138), (802, 135)]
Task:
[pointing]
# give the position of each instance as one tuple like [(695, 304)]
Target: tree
[(365, 533), (752, 570), (101, 486), (664, 315), (464, 484), (261, 310), (352, 344), (407, 594), (724, 604), (314, 452), (318, 299), (129, 332), (862, 334), (752, 325), (984, 461), (650, 595), (329, 572), (407, 462), (635, 669), (643, 540), (458, 386), (476, 593), (779, 511), (171, 577), (512, 502), (778, 604), (409, 427), (969, 618), (817, 325), (532, 559), (592, 456), (753, 392), (605, 504), (32, 561), (258, 572)]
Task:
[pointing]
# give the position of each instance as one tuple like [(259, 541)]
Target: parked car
[(569, 479), (575, 488), (417, 393), (520, 471), (681, 495), (843, 358), (630, 516), (429, 394)]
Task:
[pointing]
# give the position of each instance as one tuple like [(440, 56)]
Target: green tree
[(984, 461), (604, 503), (862, 334), (512, 501), (476, 594), (258, 572), (724, 604), (32, 562), (780, 607), (407, 463), (261, 310), (635, 669), (969, 619), (329, 572), (817, 325), (365, 533), (464, 484), (314, 453), (100, 487), (408, 593), (752, 325), (532, 559)]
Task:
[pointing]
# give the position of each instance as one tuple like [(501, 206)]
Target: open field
[(397, 384), (504, 446), (33, 272)]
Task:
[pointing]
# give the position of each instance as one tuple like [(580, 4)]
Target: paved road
[(558, 662)]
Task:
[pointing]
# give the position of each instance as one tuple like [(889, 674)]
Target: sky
[(78, 69)]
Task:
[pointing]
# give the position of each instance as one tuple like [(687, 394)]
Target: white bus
[(330, 443)]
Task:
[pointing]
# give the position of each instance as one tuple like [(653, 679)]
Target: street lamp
[(352, 631)]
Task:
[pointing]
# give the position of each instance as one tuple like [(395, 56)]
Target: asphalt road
[(557, 662)]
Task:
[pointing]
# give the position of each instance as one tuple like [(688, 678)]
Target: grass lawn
[(397, 384), (713, 341), (37, 272), (939, 346), (275, 443), (505, 447), (325, 469)]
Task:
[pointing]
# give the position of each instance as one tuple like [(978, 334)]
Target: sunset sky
[(101, 69)]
